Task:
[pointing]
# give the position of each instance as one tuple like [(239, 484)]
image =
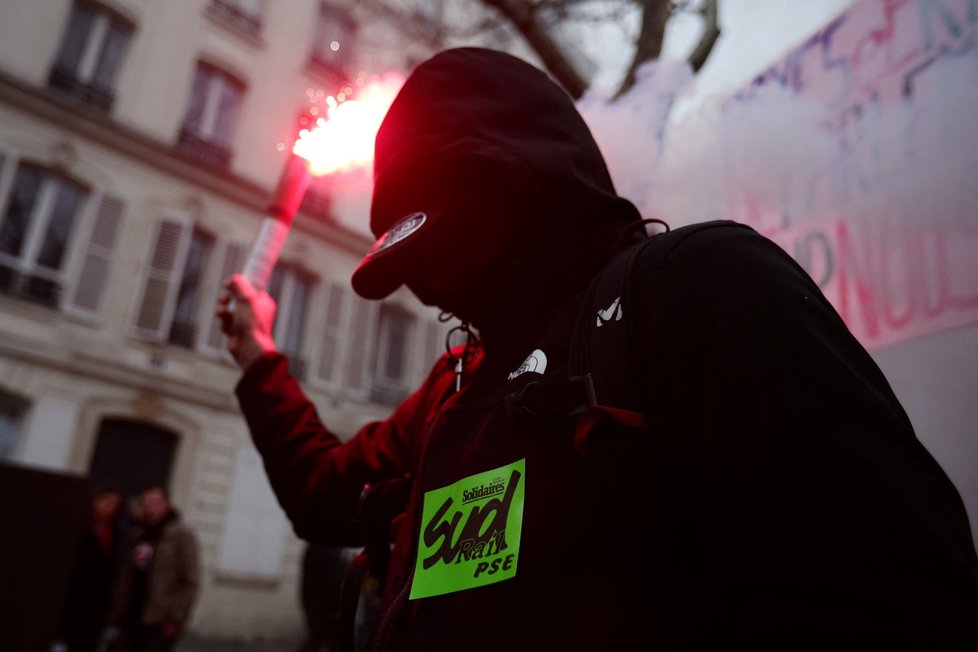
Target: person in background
[(96, 566), (159, 581), (323, 570)]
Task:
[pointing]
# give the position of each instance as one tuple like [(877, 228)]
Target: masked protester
[(750, 479)]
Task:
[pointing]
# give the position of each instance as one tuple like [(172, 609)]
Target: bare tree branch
[(525, 20), (711, 32), (655, 14), (539, 22)]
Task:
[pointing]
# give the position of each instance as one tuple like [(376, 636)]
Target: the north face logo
[(611, 313), (536, 363)]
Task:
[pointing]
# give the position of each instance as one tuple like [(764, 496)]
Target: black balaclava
[(519, 207)]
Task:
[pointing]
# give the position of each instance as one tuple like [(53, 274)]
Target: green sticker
[(470, 532)]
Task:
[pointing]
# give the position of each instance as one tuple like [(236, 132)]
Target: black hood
[(488, 125)]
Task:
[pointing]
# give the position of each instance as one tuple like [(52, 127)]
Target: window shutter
[(328, 366), (234, 256), (360, 336), (88, 296), (169, 251), (8, 170), (395, 326), (432, 347)]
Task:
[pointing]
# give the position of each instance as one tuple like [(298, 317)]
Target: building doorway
[(131, 455)]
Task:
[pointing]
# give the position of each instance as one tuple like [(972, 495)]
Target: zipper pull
[(458, 372)]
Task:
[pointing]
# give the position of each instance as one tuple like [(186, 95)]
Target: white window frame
[(206, 129), (95, 39), (38, 223), (85, 72)]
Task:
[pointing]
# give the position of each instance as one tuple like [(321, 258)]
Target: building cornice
[(53, 107), (82, 364)]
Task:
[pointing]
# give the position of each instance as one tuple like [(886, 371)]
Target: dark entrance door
[(131, 455)]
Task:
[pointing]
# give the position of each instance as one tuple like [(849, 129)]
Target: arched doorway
[(131, 455)]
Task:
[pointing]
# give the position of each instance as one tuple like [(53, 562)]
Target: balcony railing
[(17, 284), (233, 14), (183, 333), (64, 80), (203, 150)]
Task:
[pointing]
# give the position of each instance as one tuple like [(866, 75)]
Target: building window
[(394, 332), (331, 329), (291, 289), (333, 42), (12, 410), (174, 304), (92, 50), (212, 110), (243, 14), (232, 257), (183, 328), (38, 222)]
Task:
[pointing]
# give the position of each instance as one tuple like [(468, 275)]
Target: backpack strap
[(601, 369), (603, 346)]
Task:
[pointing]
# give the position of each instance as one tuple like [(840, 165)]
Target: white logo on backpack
[(536, 363), (612, 312)]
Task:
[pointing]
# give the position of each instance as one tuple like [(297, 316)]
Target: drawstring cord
[(471, 346)]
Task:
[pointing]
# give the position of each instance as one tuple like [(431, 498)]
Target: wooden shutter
[(8, 170), (432, 347), (328, 365), (166, 259), (234, 256), (8, 173), (359, 342), (89, 292)]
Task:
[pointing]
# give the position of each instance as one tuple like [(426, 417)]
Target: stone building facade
[(139, 145)]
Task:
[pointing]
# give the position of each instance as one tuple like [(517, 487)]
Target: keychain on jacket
[(471, 344)]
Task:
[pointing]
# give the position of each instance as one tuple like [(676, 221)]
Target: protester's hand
[(249, 326)]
